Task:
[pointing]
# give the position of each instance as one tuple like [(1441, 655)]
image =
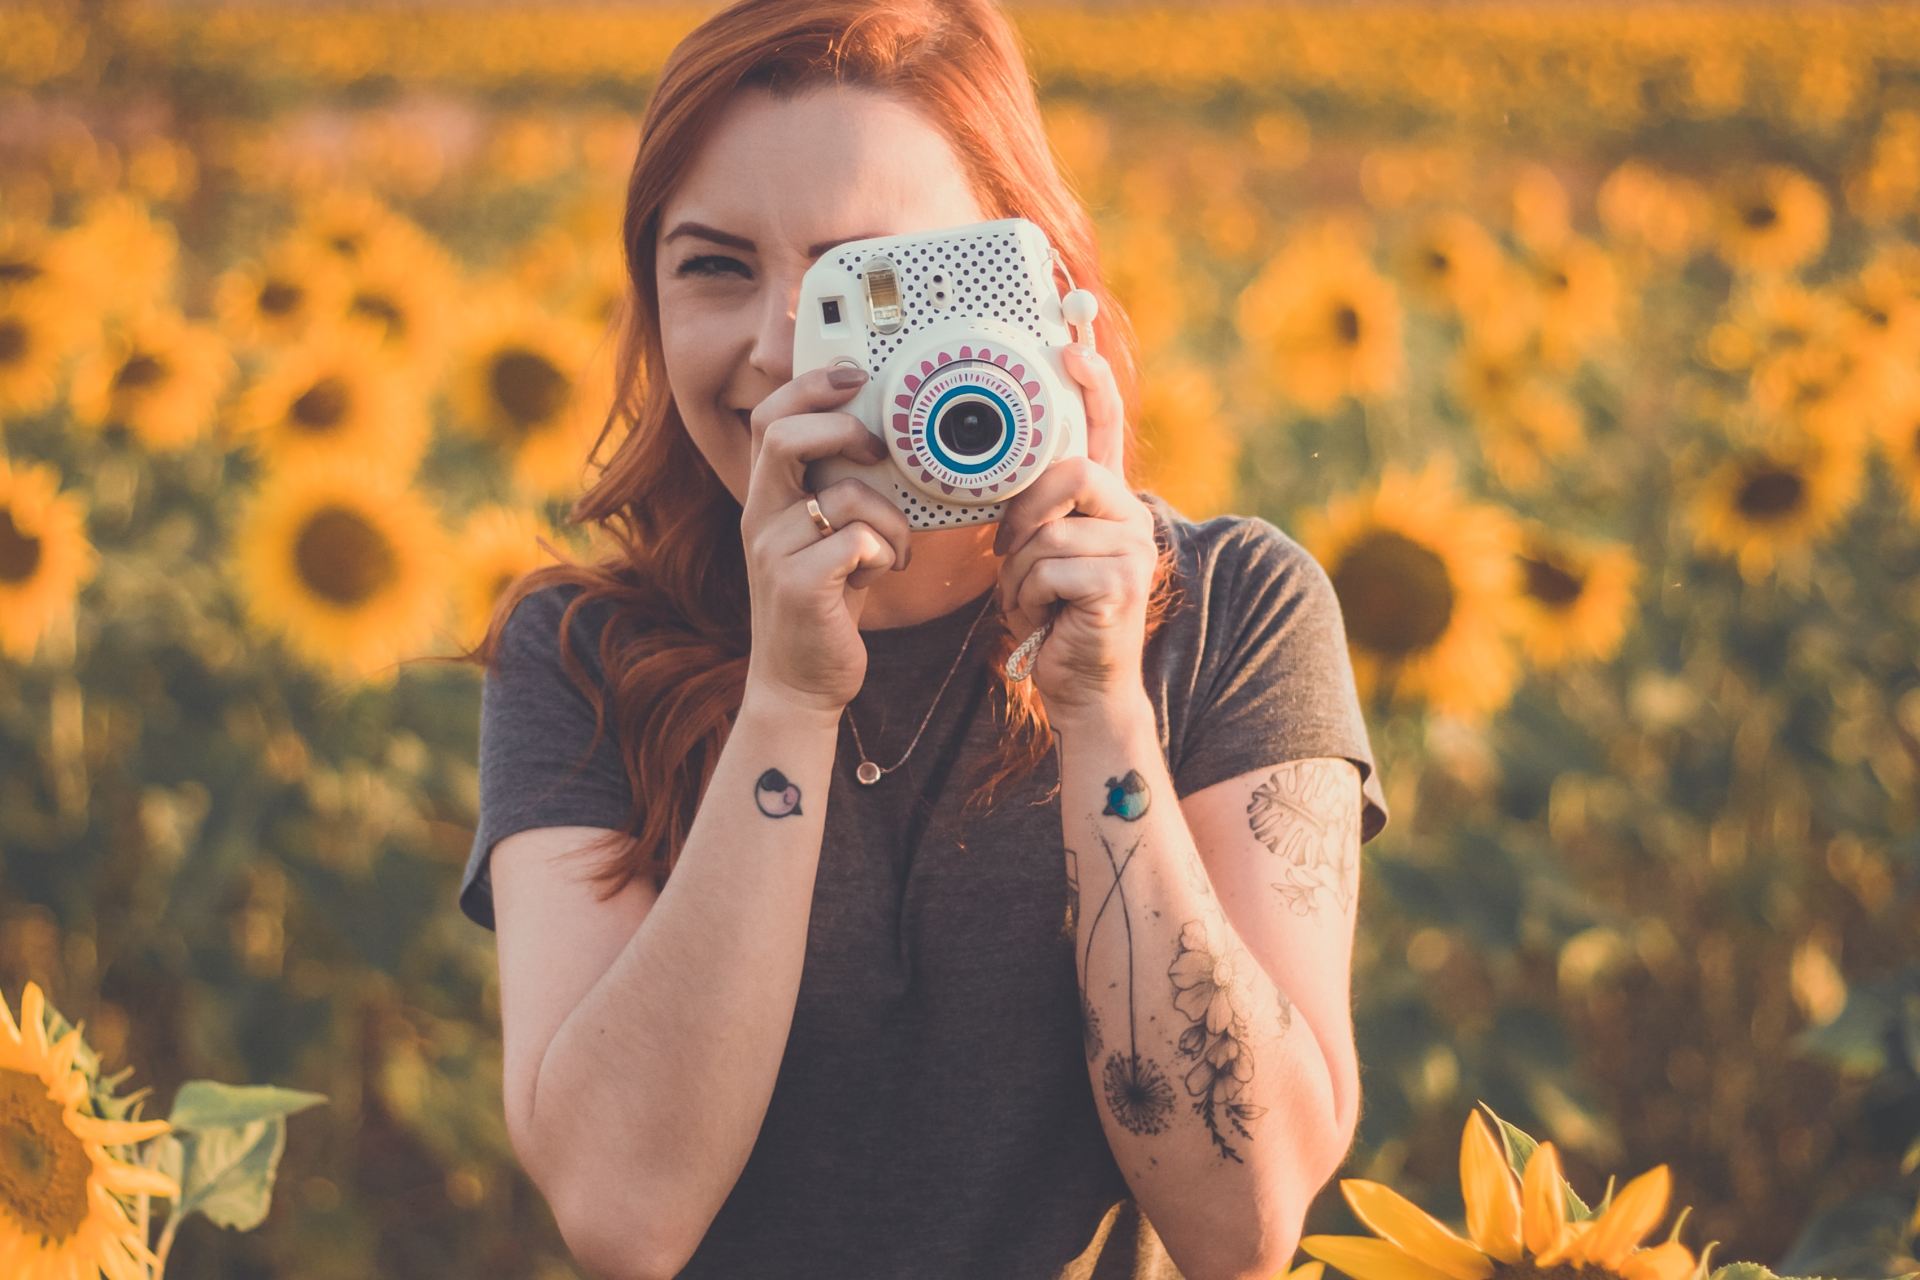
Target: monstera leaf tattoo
[(1302, 815)]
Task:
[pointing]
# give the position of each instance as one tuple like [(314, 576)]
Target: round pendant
[(868, 772)]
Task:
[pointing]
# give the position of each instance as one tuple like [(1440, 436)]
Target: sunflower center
[(527, 386), (1760, 216), (279, 297), (1438, 262), (374, 306), (1559, 1271), (1550, 584), (13, 340), (43, 1166), (1768, 492), (346, 243), (15, 272), (1395, 594), (19, 552), (1346, 324), (139, 371), (343, 558), (321, 406)]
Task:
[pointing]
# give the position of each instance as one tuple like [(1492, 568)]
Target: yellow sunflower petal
[(1545, 1209), (1669, 1261), (33, 1007), (1640, 1204), (1366, 1259), (1393, 1217), (1492, 1195), (1308, 1271), (131, 1179), (115, 1133)]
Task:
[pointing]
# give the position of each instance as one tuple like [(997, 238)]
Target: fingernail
[(844, 376)]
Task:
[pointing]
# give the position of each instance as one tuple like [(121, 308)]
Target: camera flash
[(883, 295)]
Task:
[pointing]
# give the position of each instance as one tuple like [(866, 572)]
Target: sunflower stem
[(166, 1244)]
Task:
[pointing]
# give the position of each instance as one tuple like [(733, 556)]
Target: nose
[(773, 329)]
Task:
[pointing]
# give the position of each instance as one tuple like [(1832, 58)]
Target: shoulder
[(532, 631), (1236, 557)]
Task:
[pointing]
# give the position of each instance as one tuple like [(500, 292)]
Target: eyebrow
[(741, 242)]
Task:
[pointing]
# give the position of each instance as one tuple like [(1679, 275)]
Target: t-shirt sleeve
[(535, 724), (1275, 681)]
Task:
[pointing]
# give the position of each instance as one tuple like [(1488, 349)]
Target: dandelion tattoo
[(1287, 814), (776, 797), (1208, 991), (1137, 1090)]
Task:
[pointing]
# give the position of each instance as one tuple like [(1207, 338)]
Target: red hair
[(675, 646)]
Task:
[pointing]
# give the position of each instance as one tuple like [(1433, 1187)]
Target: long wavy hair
[(675, 646)]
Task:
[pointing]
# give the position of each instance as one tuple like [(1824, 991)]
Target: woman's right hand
[(808, 588)]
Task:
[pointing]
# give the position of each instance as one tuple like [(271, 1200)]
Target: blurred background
[(1580, 343)]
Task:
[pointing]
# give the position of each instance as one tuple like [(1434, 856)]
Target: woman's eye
[(707, 265)]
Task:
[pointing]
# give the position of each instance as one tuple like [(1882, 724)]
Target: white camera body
[(960, 330)]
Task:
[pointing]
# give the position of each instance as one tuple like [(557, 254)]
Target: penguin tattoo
[(776, 797), (1127, 796)]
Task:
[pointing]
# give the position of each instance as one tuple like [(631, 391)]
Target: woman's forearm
[(1215, 1096), (653, 1090)]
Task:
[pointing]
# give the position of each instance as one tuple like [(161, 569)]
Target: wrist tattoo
[(1127, 796), (777, 797)]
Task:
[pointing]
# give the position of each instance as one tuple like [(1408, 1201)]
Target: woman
[(834, 1008)]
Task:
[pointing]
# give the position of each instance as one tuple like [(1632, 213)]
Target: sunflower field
[(1580, 344)]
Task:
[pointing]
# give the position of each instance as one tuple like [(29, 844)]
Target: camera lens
[(969, 428)]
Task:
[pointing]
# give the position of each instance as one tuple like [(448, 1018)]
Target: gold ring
[(819, 517)]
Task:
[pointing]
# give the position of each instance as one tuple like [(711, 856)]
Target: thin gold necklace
[(869, 772)]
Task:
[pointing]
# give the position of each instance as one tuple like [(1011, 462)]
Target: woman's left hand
[(1078, 535)]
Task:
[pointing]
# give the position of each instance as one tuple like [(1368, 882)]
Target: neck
[(949, 568)]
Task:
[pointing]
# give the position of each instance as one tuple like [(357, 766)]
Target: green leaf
[(228, 1173), (1743, 1271), (208, 1104), (1520, 1147)]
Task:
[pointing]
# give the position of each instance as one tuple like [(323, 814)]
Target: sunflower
[(33, 260), (1771, 218), (1883, 313), (1142, 265), (1187, 452), (1897, 431), (532, 383), (1770, 502), (1446, 261), (119, 258), (1826, 390), (1575, 599), (155, 375), (60, 1212), (1426, 584), (1767, 316), (336, 392), (345, 562), (279, 298), (350, 223), (1515, 1226), (405, 293), (497, 546), (1536, 422), (1540, 210), (44, 555), (1660, 212), (1320, 323), (37, 333), (1579, 292)]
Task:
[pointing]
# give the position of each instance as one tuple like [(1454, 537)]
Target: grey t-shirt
[(934, 1114)]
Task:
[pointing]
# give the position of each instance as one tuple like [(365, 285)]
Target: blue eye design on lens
[(971, 423)]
